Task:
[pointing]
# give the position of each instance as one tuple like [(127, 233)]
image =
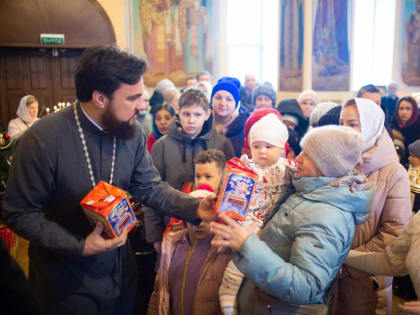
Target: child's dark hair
[(212, 155), (194, 96)]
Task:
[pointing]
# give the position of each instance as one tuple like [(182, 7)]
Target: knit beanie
[(320, 110), (232, 85), (308, 94), (269, 129), (255, 116), (414, 148), (335, 150), (264, 89), (332, 117)]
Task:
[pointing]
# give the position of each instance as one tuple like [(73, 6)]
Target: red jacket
[(150, 142)]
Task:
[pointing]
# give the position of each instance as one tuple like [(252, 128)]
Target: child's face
[(208, 173), (163, 119), (192, 119), (199, 232), (265, 154), (414, 160)]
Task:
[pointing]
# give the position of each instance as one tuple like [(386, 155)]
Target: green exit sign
[(52, 39)]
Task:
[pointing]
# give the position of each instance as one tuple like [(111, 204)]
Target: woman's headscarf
[(22, 110), (372, 120), (158, 108)]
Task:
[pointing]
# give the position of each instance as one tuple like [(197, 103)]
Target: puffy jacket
[(305, 243), (391, 210), (206, 300)]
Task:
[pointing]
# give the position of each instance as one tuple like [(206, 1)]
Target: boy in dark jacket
[(174, 153)]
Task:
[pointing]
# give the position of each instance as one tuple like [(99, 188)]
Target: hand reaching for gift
[(231, 234)]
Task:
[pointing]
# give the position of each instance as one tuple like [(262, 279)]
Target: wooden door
[(63, 71), (37, 72)]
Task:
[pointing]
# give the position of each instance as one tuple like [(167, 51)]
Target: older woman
[(27, 113), (308, 100), (358, 292), (171, 96), (303, 245), (264, 96)]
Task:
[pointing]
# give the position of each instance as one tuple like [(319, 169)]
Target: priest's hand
[(206, 210), (96, 244)]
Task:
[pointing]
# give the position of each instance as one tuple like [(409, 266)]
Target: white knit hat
[(335, 150), (308, 94), (320, 110), (163, 85), (269, 129)]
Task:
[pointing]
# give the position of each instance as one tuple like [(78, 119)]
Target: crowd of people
[(329, 225)]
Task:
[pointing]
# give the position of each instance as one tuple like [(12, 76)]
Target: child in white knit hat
[(267, 140)]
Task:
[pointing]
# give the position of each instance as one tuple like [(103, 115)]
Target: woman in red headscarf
[(406, 120)]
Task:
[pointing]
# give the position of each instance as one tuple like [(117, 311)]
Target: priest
[(59, 160)]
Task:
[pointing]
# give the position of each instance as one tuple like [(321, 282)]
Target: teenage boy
[(174, 153)]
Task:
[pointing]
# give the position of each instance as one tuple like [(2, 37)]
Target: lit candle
[(48, 110)]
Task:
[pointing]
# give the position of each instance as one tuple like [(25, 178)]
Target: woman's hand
[(230, 235), (409, 308)]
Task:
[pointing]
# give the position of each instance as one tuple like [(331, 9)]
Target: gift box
[(237, 190), (111, 206)]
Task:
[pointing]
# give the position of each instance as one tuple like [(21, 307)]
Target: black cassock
[(48, 179)]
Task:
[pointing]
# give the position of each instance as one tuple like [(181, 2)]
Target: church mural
[(330, 45), (174, 37), (410, 36), (291, 45)]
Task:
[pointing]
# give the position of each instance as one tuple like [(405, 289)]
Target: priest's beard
[(125, 130)]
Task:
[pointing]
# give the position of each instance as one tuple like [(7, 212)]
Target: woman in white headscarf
[(27, 113), (357, 292)]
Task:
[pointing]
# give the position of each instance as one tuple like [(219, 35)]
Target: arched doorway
[(45, 71)]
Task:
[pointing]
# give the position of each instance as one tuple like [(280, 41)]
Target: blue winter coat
[(303, 246)]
